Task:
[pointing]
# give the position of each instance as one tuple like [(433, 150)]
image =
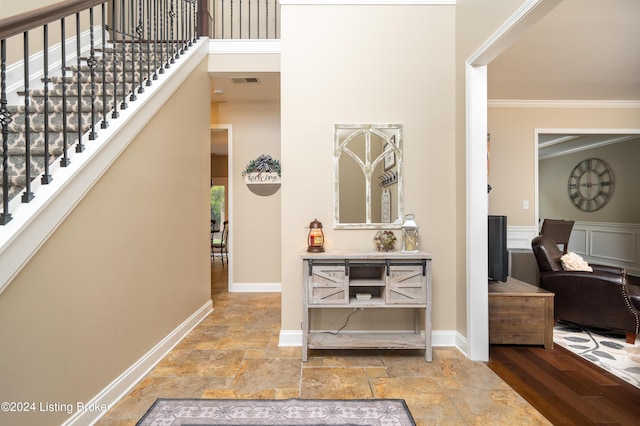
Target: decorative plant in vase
[(385, 240)]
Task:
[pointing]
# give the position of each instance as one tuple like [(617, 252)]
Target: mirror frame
[(339, 149)]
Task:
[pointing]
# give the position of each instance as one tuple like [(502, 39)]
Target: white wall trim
[(529, 103), (255, 288), (530, 12), (34, 222), (461, 344), (476, 213), (519, 237), (121, 386), (243, 46), (290, 338), (589, 131)]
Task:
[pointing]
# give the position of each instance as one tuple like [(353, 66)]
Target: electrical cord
[(335, 333)]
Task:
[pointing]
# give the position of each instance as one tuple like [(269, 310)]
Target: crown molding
[(535, 103)]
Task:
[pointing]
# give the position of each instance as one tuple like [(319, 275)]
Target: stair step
[(72, 90), (17, 169), (13, 191), (135, 66), (110, 66), (37, 122), (16, 141), (56, 105), (129, 76)]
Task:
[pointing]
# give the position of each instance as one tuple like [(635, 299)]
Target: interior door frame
[(229, 130), (477, 303)]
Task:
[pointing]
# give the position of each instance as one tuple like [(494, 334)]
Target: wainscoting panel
[(519, 237), (578, 241), (613, 244)]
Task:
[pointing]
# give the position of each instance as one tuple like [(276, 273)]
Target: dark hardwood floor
[(565, 388)]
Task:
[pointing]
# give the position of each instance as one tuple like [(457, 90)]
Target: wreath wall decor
[(263, 175)]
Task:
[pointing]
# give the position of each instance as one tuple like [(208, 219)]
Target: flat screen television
[(498, 255)]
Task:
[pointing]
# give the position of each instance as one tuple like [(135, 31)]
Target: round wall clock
[(590, 184)]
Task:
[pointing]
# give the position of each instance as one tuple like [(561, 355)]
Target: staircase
[(73, 108), (64, 111)]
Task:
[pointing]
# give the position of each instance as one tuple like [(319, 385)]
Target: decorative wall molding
[(121, 386), (531, 103), (613, 244), (519, 237)]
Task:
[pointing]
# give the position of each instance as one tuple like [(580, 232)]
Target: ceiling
[(582, 50), (245, 87)]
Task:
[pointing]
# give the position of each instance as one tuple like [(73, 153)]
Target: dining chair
[(221, 243), (559, 230)]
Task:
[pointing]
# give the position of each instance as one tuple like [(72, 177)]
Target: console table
[(363, 280)]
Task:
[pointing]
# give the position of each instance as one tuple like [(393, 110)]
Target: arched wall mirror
[(367, 176)]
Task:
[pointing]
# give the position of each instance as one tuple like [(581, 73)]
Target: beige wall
[(394, 66), (513, 150), (624, 204), (129, 265), (255, 219)]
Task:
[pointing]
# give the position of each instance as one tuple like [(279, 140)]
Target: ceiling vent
[(245, 80)]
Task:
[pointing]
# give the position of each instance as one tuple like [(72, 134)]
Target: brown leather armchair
[(599, 299)]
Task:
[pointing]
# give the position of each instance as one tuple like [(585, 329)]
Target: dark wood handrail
[(36, 18)]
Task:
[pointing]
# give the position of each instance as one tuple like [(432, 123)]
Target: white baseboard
[(255, 288), (121, 386)]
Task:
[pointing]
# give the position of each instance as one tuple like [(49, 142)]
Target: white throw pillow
[(573, 262)]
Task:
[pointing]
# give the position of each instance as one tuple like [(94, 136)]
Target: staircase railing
[(241, 19), (79, 79)]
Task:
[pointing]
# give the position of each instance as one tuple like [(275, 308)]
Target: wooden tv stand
[(520, 314), (364, 280)]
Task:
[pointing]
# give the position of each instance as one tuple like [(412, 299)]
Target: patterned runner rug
[(607, 350), (211, 412)]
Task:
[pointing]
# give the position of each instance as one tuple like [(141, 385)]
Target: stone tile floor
[(234, 353)]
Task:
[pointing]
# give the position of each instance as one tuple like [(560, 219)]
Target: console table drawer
[(406, 285), (328, 285)]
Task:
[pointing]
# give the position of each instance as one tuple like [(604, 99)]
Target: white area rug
[(388, 412), (607, 350)]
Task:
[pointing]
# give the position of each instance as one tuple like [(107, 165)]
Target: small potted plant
[(385, 240)]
